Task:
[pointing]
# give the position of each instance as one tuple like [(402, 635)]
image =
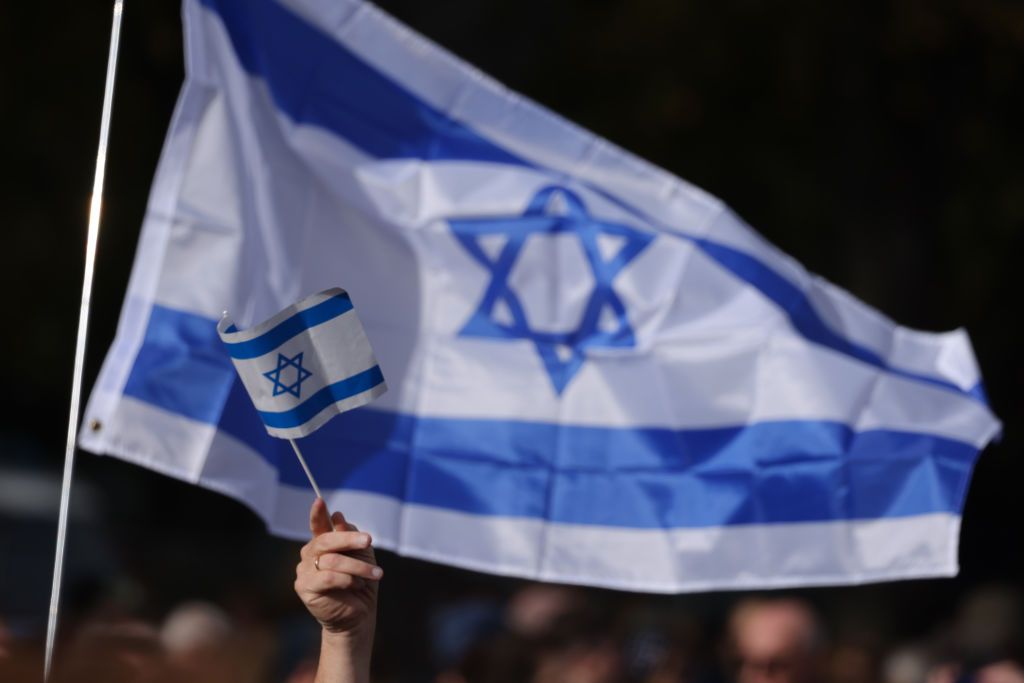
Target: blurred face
[(579, 664), (773, 644), (534, 609), (1000, 672)]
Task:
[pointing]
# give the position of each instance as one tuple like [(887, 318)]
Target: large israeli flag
[(599, 374)]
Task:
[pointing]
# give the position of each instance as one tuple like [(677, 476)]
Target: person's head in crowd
[(117, 652), (304, 672), (983, 644), (775, 640), (545, 634), (1002, 671), (13, 665), (661, 644), (5, 640), (988, 624), (500, 658), (587, 658), (197, 637), (457, 628), (534, 610), (953, 671), (909, 663), (580, 646), (852, 660)]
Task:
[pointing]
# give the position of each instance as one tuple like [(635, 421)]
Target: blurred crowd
[(552, 634), (542, 634)]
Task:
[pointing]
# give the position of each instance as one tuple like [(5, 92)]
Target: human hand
[(338, 576)]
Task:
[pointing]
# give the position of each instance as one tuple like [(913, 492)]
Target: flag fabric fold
[(599, 374)]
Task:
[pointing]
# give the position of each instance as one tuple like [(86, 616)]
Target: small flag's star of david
[(300, 375), (604, 322)]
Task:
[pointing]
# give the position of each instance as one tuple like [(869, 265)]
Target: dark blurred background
[(880, 143)]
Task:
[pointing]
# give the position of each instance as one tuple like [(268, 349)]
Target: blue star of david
[(301, 374), (562, 353)]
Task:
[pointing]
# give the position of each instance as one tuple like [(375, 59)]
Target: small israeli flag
[(306, 364)]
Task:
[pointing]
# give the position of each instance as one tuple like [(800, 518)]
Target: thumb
[(319, 519)]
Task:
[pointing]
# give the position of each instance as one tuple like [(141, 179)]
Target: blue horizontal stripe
[(316, 80), (805, 320), (182, 366), (328, 309), (762, 473), (311, 407)]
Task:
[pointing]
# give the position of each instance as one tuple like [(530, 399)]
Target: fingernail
[(365, 539), (377, 572)]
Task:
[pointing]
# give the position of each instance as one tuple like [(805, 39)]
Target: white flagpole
[(305, 467), (309, 474), (83, 330)]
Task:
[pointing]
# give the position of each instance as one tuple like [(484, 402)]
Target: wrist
[(345, 655), (353, 639)]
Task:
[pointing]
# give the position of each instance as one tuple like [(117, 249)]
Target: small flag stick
[(309, 475), (305, 467), (83, 331)]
